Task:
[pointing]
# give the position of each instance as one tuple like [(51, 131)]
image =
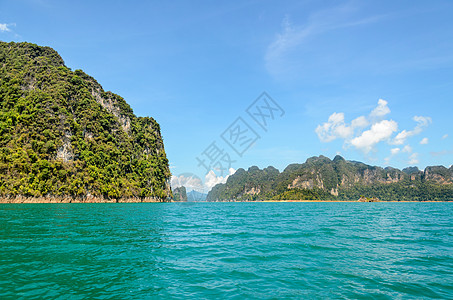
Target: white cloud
[(211, 179), (379, 132), (381, 110), (189, 180), (413, 159), (366, 132), (360, 122), (334, 128), (193, 182), (353, 134), (407, 149), (401, 137), (283, 54), (289, 38), (395, 151), (422, 122), (444, 136), (4, 28)]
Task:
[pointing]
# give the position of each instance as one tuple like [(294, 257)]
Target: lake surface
[(227, 250)]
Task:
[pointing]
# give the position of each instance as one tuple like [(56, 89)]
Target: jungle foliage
[(63, 135), (321, 178)]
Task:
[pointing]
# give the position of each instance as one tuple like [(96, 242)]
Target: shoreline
[(92, 199), (354, 201), (68, 199), (336, 201)]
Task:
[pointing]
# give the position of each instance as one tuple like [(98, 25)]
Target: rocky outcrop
[(366, 199), (252, 191), (180, 194), (64, 138), (336, 179), (438, 174)]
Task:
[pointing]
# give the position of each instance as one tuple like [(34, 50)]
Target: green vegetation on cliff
[(320, 178), (61, 134), (180, 194)]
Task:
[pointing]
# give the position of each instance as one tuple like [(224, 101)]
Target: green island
[(180, 194), (321, 178), (65, 139)]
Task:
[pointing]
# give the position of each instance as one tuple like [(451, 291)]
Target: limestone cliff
[(323, 178), (64, 137)]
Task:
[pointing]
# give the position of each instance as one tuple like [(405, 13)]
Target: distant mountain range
[(194, 196), (321, 178), (180, 195)]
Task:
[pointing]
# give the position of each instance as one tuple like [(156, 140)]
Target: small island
[(367, 199)]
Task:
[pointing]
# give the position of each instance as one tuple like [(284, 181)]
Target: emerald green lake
[(227, 251)]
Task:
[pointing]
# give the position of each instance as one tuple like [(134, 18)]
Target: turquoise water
[(227, 250)]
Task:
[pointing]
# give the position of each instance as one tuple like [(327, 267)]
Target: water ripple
[(227, 250)]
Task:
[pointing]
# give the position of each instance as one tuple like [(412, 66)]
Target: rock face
[(323, 178), (438, 174), (64, 137), (366, 199), (180, 194)]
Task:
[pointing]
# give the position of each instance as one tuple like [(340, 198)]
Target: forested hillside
[(61, 134), (321, 178)]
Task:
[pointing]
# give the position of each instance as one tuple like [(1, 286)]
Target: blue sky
[(370, 80)]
